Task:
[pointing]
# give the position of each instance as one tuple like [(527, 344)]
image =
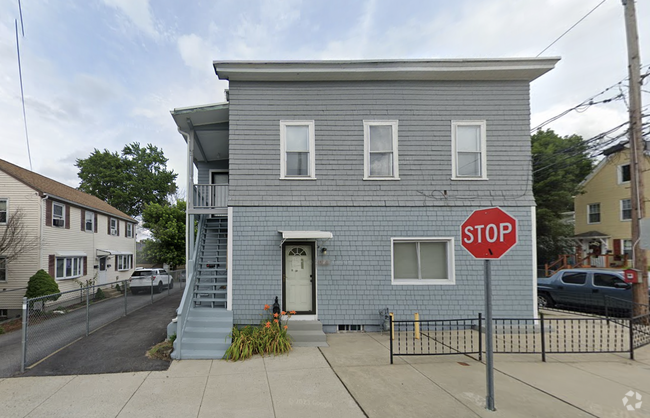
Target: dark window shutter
[(95, 223), (50, 265), (109, 226), (118, 227), (48, 212), (617, 247), (85, 265), (116, 262), (83, 219), (67, 216)]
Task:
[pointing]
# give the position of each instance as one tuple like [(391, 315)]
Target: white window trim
[(62, 214), (283, 149), (621, 210), (451, 268), (6, 199), (92, 219), (454, 156), (366, 148), (589, 213), (619, 174), (110, 222), (129, 261), (73, 276), (129, 230)]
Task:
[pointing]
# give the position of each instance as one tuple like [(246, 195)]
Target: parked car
[(586, 289), (146, 280)]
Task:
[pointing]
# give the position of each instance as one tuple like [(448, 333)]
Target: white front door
[(101, 275), (299, 283)]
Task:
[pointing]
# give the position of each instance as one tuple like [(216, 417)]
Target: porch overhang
[(102, 253), (209, 125), (591, 235), (70, 254), (305, 235)]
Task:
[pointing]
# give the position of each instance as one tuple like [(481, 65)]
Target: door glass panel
[(606, 280), (574, 278)]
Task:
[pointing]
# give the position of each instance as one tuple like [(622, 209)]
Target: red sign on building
[(489, 233)]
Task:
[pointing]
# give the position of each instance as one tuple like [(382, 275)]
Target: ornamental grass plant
[(269, 337)]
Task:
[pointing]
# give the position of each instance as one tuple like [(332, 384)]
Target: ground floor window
[(69, 267), (627, 248), (423, 260), (3, 269), (124, 262)]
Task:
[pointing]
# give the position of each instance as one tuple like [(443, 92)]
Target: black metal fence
[(543, 335)]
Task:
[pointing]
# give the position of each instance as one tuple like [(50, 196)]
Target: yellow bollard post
[(417, 326), (392, 326)]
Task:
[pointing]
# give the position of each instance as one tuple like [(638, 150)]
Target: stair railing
[(186, 301)]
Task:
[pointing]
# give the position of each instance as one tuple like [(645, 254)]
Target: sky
[(99, 74)]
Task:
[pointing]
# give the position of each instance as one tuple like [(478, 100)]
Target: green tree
[(130, 180), (42, 284), (559, 165), (167, 226)]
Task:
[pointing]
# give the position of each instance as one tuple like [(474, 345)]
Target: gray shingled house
[(340, 187)]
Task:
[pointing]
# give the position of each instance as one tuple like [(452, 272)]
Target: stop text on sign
[(489, 233)]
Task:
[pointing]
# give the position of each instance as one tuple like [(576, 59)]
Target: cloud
[(196, 52), (138, 12)]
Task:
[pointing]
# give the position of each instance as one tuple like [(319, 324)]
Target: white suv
[(144, 280)]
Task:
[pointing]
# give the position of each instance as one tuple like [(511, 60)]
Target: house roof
[(508, 69), (48, 187), (591, 234)]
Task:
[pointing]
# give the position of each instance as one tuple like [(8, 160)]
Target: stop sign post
[(488, 234)]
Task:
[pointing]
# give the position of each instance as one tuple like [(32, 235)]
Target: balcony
[(209, 198)]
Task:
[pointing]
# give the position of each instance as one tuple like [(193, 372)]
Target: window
[(58, 215), (627, 248), (113, 226), (90, 221), (69, 267), (129, 230), (124, 262), (606, 280), (4, 210), (593, 213), (423, 260), (623, 173), (3, 269), (468, 148), (380, 150), (574, 278), (626, 210), (297, 145)]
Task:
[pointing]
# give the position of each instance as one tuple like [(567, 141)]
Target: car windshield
[(141, 273)]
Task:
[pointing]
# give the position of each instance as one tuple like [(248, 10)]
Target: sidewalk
[(350, 378)]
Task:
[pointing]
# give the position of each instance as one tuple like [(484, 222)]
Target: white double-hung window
[(69, 267), (380, 150), (4, 210), (422, 261), (58, 215), (297, 143), (89, 221), (468, 143)]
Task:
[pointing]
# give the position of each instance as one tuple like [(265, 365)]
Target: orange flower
[(283, 313), (275, 320), (275, 315), (285, 327), (266, 307), (268, 324), (292, 312)]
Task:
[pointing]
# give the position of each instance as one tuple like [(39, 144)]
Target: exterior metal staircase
[(205, 322)]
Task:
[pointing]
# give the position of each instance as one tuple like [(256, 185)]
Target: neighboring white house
[(78, 236)]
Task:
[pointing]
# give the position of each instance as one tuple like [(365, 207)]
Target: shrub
[(118, 288), (42, 284), (2, 330), (99, 294)]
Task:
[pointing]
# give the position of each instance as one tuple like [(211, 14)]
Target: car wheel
[(545, 301), (171, 284), (159, 288), (134, 291)]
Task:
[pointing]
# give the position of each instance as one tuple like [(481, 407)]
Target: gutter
[(129, 219)]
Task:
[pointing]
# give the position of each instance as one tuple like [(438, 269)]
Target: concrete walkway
[(350, 378)]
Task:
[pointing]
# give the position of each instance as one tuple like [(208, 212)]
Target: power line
[(22, 96), (568, 30)]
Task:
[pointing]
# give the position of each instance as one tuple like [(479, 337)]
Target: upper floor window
[(4, 210), (623, 173), (90, 221), (58, 215), (380, 150), (297, 156), (468, 143), (626, 210), (593, 213), (129, 230), (113, 226), (423, 260)]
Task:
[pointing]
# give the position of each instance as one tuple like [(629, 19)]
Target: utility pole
[(637, 159)]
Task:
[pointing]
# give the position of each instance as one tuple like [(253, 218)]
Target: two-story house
[(74, 235), (603, 210), (340, 187)]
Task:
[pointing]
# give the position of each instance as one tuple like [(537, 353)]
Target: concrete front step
[(307, 334), (206, 334)]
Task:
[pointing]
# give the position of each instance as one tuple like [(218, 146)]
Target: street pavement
[(352, 377)]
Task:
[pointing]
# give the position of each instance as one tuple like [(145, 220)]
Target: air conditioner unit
[(113, 231), (58, 222)]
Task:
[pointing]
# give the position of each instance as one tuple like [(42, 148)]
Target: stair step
[(211, 292), (208, 299)]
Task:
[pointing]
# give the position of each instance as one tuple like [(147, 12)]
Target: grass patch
[(163, 350), (12, 325)]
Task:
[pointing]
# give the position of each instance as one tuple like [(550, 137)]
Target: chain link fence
[(52, 322)]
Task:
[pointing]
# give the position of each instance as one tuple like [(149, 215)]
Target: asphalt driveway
[(120, 346)]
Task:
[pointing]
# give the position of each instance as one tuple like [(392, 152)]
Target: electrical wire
[(22, 97)]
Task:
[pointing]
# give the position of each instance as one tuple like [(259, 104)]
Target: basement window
[(350, 328)]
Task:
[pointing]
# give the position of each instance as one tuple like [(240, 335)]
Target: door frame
[(312, 245), (102, 278)]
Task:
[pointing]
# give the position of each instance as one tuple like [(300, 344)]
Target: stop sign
[(489, 233)]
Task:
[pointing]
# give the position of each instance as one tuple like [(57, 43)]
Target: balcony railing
[(210, 196)]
